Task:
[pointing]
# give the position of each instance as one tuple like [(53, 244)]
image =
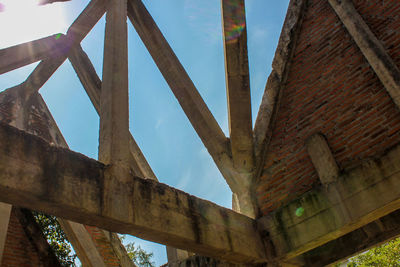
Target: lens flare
[(234, 24), (58, 36), (299, 211)]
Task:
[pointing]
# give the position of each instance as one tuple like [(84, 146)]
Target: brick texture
[(331, 89), (18, 250), (103, 246)]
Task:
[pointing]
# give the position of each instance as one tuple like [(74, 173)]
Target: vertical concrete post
[(322, 158), (114, 108)]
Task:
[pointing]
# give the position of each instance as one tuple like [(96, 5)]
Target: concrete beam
[(5, 211), (355, 242), (357, 198), (83, 244), (24, 54), (57, 181), (84, 23), (238, 84), (372, 49), (185, 91), (114, 107), (322, 158)]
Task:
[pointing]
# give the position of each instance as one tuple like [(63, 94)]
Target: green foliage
[(56, 238), (386, 255), (62, 248), (138, 255)]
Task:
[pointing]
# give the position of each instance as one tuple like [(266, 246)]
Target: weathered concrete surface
[(373, 50), (367, 193), (71, 186), (322, 158), (238, 84), (24, 54), (175, 256), (5, 211), (114, 109)]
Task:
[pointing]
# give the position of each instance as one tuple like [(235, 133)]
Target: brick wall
[(331, 89), (18, 250), (103, 245)]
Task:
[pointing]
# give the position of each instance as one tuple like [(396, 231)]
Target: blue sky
[(170, 144)]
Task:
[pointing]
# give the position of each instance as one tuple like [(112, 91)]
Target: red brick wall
[(103, 246), (331, 89), (18, 250)]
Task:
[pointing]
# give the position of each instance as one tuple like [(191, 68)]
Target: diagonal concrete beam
[(69, 185), (357, 198), (238, 84), (383, 65), (17, 56), (185, 91)]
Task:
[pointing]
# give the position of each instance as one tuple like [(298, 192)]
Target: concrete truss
[(120, 193)]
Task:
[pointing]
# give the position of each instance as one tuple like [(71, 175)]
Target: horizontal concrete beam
[(66, 184), (357, 198)]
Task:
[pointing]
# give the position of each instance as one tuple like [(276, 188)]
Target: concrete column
[(114, 108)]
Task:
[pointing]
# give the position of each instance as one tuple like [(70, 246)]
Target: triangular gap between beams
[(72, 110), (16, 77), (93, 45)]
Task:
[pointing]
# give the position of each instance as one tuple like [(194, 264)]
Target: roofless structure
[(315, 181)]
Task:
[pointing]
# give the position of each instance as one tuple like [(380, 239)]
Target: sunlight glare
[(24, 20)]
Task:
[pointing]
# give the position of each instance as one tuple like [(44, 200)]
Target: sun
[(25, 20)]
